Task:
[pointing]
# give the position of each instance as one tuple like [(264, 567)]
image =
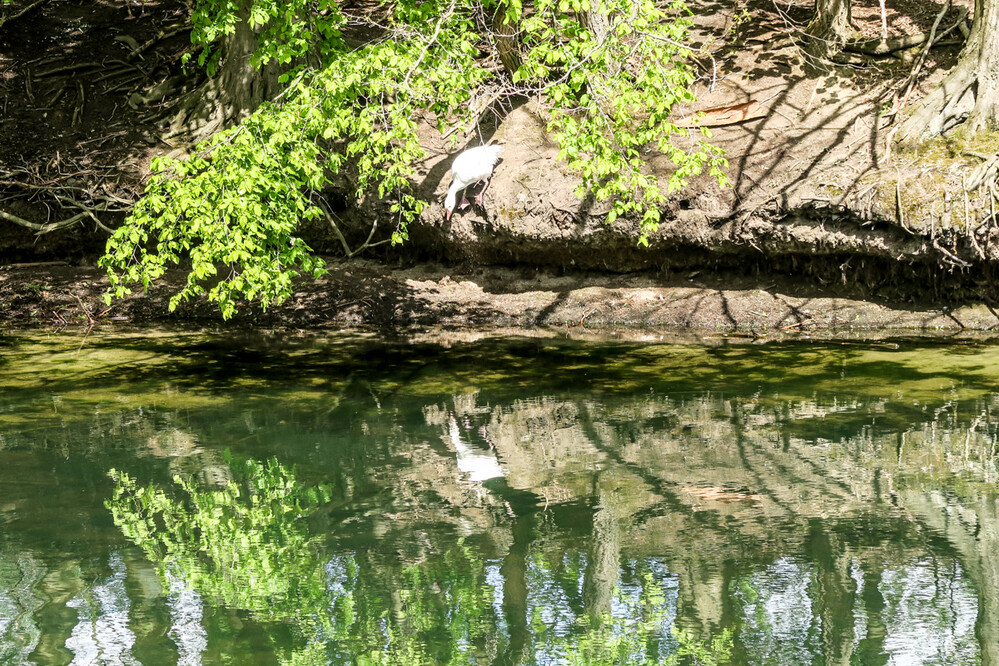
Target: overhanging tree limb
[(606, 97)]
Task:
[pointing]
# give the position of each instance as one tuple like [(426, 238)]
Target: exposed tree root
[(968, 95), (139, 49), (944, 108), (223, 100), (884, 47), (42, 228), (826, 34), (197, 115), (31, 187)]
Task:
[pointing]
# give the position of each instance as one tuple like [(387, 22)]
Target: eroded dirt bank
[(370, 295), (821, 230)]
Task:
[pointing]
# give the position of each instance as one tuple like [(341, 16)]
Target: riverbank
[(364, 294), (822, 228)]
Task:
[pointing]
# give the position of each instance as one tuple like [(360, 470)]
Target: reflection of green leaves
[(436, 611), (617, 642), (245, 543), (701, 653)]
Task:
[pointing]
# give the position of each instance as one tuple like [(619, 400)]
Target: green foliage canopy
[(237, 203)]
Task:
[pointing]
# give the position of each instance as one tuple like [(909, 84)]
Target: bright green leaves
[(286, 30), (233, 218), (607, 74), (609, 97), (231, 212)]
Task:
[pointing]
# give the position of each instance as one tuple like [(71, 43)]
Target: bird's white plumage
[(471, 166), (478, 465)]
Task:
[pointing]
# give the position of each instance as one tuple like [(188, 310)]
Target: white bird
[(469, 167), (478, 465)]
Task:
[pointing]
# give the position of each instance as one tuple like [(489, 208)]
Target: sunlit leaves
[(233, 210), (286, 30), (609, 99)]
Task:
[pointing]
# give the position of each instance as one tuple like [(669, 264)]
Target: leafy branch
[(605, 74)]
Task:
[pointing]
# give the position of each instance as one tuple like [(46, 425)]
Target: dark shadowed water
[(190, 498)]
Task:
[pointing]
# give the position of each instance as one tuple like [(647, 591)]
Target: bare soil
[(364, 294), (806, 241)]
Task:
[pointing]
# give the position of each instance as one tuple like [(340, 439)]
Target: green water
[(190, 498)]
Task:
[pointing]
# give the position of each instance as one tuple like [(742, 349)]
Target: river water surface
[(192, 498)]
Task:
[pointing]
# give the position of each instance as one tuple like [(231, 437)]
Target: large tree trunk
[(828, 31), (505, 34), (970, 93), (597, 22), (235, 91)]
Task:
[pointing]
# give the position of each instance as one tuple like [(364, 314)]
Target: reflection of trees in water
[(186, 616), (102, 635), (604, 504), (713, 479), (228, 543), (248, 547), (19, 601), (545, 599)]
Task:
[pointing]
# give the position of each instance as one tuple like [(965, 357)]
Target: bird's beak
[(447, 215)]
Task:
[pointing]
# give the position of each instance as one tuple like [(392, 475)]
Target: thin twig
[(910, 82)]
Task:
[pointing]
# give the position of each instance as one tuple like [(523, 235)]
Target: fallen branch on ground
[(14, 17), (878, 47), (725, 115), (42, 228)]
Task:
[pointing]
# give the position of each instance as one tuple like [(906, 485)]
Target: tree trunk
[(970, 92), (505, 34), (828, 31), (235, 91), (597, 22)]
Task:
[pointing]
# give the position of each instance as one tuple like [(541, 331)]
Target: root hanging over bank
[(969, 95)]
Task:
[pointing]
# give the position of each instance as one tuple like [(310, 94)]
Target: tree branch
[(14, 17), (41, 228)]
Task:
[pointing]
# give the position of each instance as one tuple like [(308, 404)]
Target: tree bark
[(828, 31), (235, 91), (970, 92), (597, 22), (505, 34)]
